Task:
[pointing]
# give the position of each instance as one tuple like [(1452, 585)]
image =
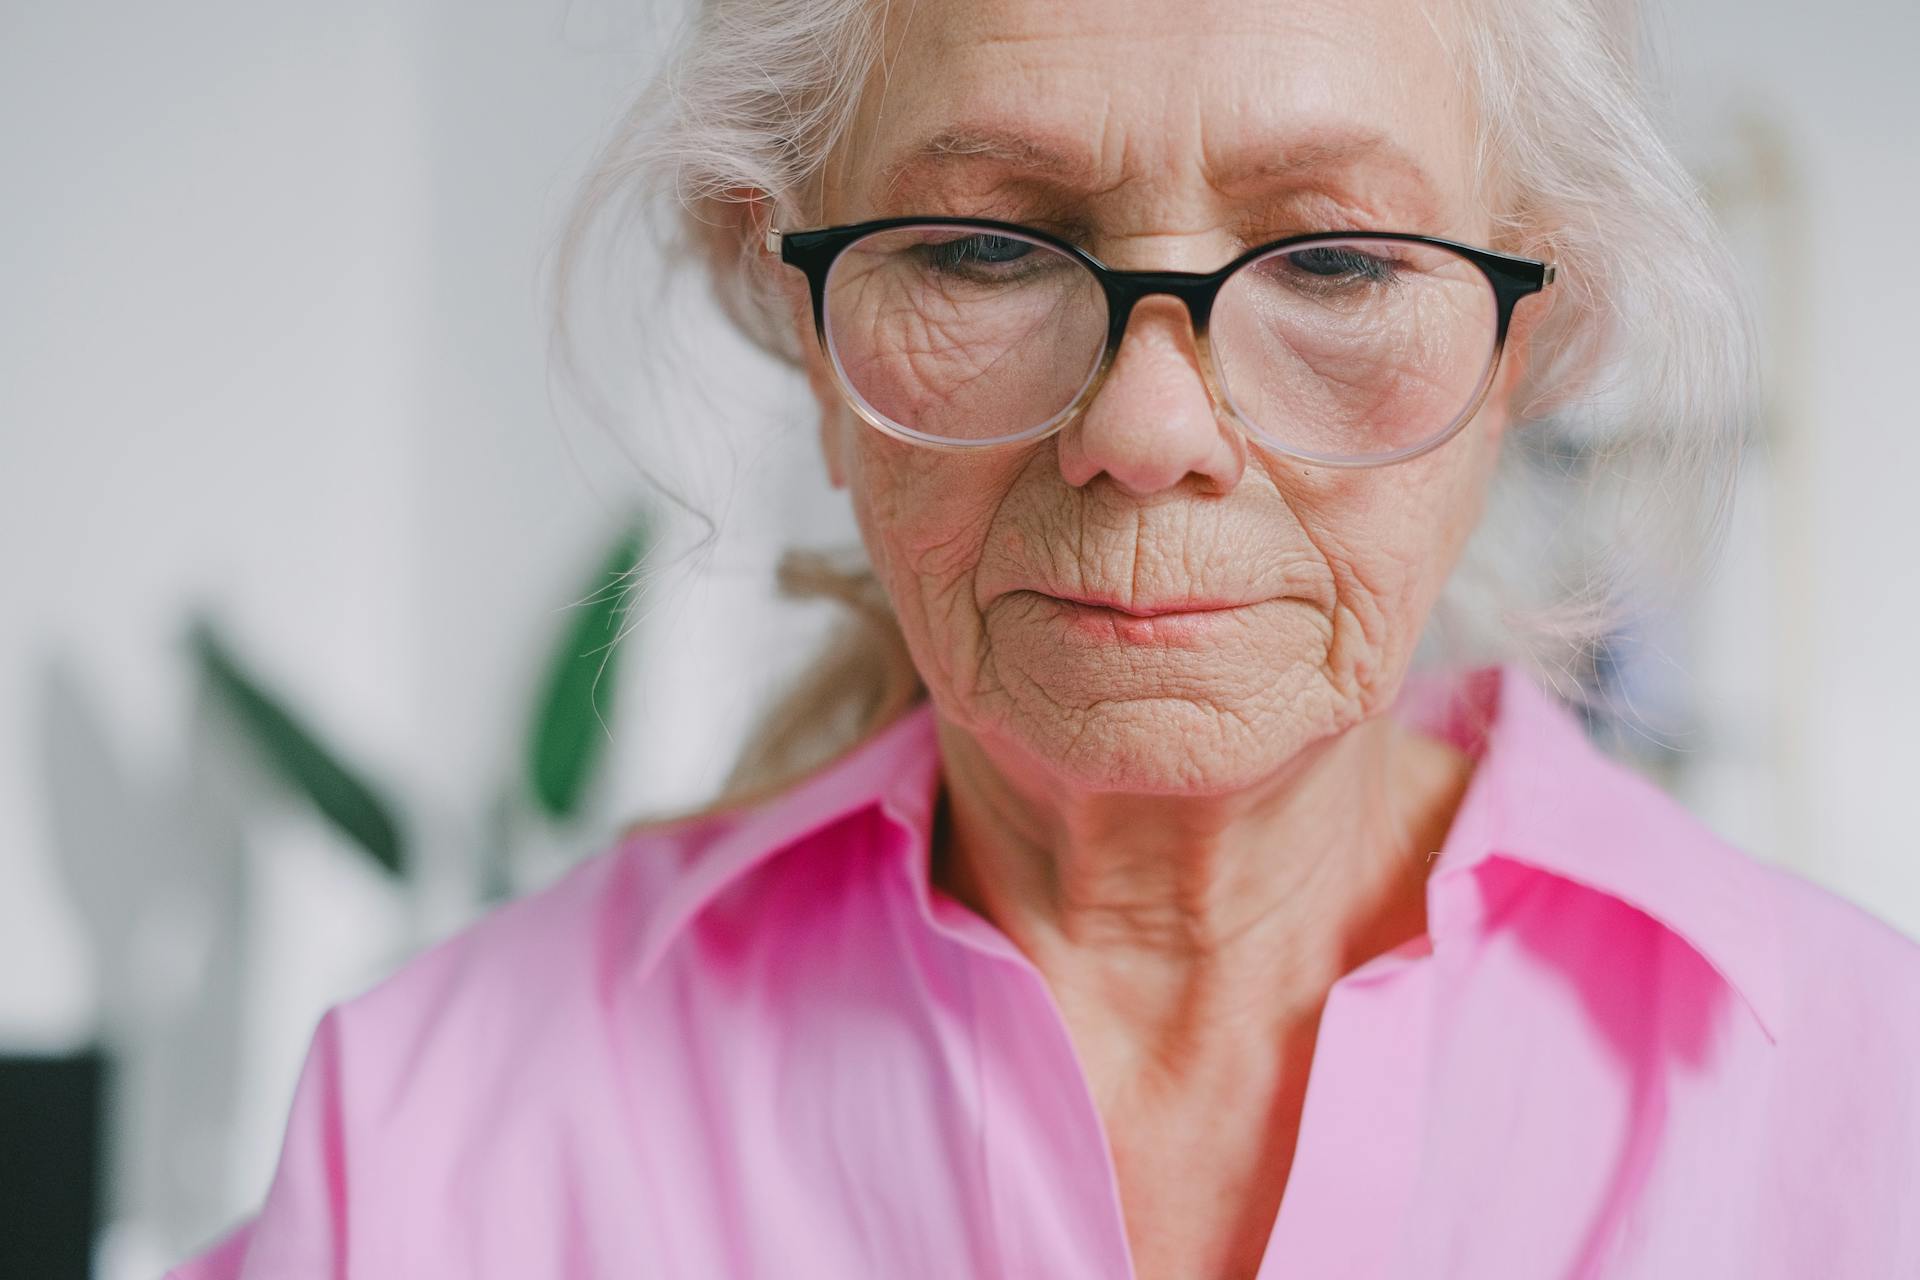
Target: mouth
[(1175, 624), (1161, 609)]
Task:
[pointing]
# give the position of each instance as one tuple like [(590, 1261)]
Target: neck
[(1172, 927)]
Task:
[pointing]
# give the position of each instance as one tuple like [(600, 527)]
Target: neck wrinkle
[(1180, 920)]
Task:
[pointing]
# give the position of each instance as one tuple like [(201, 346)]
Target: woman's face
[(1152, 133)]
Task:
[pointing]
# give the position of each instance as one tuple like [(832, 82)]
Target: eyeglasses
[(1347, 349)]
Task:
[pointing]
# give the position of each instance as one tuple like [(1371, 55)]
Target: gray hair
[(1614, 486)]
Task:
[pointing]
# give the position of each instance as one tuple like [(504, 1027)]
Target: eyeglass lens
[(1339, 347)]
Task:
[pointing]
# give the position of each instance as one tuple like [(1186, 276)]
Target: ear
[(1517, 356), (798, 301), (743, 215), (826, 391), (833, 416), (1540, 324)]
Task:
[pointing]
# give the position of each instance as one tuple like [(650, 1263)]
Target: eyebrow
[(1297, 161)]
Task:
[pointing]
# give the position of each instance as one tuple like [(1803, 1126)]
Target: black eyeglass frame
[(814, 252)]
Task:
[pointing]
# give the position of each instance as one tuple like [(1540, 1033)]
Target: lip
[(1159, 610), (1192, 624)]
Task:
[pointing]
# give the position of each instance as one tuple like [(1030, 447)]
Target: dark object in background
[(50, 1164)]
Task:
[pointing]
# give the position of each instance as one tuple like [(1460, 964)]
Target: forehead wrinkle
[(990, 151), (1354, 165), (1325, 149), (1337, 160), (992, 78)]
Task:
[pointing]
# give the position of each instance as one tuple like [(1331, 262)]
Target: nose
[(1153, 422)]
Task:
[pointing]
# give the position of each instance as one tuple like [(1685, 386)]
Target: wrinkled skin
[(1150, 496), (1192, 832)]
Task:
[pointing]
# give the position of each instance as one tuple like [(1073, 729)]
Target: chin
[(1163, 745), (1155, 719)]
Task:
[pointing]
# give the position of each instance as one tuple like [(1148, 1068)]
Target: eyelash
[(1355, 265), (962, 256)]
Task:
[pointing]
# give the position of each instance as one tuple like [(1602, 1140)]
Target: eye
[(1341, 262), (974, 251)]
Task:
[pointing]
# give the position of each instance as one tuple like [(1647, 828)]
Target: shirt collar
[(897, 768), (1541, 795)]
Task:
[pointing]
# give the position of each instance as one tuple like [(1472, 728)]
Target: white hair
[(1615, 481)]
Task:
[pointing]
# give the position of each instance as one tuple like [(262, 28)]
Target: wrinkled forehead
[(1165, 111)]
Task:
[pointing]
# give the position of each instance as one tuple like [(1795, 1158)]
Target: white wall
[(1835, 83), (271, 341)]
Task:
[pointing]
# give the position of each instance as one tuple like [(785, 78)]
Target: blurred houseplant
[(162, 873), (567, 734)]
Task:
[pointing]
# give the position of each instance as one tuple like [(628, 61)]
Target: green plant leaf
[(571, 730), (296, 754)]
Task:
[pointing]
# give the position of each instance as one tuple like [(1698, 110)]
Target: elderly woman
[(1148, 913)]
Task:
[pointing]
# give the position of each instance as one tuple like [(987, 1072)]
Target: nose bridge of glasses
[(1125, 289), (1194, 290)]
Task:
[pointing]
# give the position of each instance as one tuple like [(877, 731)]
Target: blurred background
[(312, 586)]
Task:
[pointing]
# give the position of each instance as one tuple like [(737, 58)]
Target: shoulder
[(1805, 958), (535, 971), (491, 1064), (1847, 969), (1834, 1109), (481, 1060), (1846, 993), (535, 979)]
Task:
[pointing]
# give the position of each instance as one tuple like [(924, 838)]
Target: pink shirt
[(763, 1046)]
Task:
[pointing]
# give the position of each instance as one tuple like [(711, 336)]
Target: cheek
[(926, 518), (1389, 545), (924, 523)]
